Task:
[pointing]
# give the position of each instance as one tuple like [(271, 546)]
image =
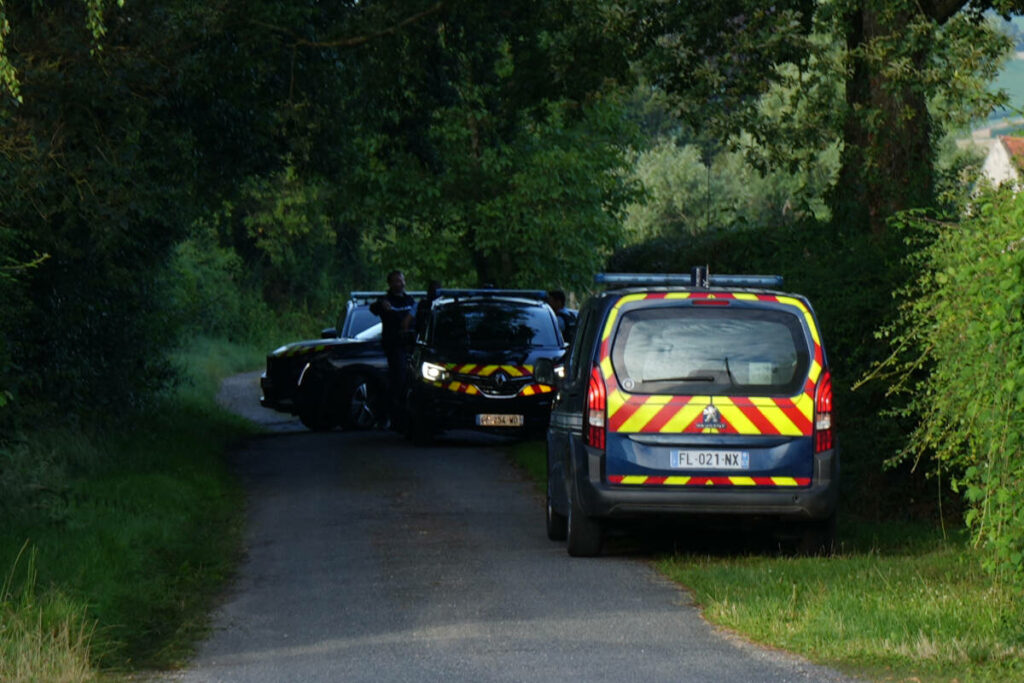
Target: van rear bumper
[(601, 499)]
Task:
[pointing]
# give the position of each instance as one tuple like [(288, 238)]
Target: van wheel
[(817, 538), (557, 523), (584, 535)]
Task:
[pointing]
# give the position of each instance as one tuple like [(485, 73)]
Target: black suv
[(338, 379), (693, 396), (473, 365)]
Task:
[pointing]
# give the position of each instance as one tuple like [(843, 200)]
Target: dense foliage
[(172, 169), (957, 359)]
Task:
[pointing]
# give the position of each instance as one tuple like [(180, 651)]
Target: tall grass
[(124, 532), (42, 637)]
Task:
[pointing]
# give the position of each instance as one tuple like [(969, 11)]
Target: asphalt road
[(371, 560)]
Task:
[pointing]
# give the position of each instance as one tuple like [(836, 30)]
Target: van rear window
[(735, 351)]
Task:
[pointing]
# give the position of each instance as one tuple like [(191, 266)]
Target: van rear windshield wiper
[(688, 378)]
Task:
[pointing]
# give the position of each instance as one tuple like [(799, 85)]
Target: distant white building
[(1004, 162)]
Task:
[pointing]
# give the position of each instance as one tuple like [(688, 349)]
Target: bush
[(957, 357)]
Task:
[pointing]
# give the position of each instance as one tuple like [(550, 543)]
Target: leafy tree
[(901, 57)]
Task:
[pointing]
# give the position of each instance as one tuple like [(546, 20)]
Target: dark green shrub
[(958, 357)]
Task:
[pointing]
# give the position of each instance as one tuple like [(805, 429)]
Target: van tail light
[(823, 432), (594, 418)]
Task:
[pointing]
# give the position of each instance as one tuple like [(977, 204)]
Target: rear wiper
[(688, 378), (732, 380)]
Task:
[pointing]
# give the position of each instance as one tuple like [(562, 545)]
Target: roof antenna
[(699, 276)]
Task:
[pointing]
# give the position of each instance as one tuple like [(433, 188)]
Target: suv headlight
[(433, 372)]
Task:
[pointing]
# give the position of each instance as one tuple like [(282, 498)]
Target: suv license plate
[(710, 460), (499, 420)]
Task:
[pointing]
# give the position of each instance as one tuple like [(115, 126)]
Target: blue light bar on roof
[(688, 280)]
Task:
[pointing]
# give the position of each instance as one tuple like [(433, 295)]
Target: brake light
[(594, 422), (823, 434)]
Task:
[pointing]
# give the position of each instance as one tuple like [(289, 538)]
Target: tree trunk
[(887, 163)]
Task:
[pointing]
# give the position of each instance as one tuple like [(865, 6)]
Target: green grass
[(898, 602), (133, 528)]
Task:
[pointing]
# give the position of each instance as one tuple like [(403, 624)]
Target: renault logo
[(500, 379)]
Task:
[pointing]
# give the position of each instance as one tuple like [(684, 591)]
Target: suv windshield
[(493, 325), (359, 319), (734, 351)]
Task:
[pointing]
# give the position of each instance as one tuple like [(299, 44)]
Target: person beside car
[(423, 307), (566, 320), (396, 310)]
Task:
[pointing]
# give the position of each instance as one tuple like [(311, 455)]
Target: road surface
[(368, 559)]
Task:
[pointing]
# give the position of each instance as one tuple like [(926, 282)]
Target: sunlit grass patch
[(933, 614), (43, 637)]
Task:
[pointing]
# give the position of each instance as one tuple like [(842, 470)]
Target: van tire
[(584, 535), (817, 538)]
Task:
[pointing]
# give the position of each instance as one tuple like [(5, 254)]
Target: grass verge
[(899, 602), (118, 538)]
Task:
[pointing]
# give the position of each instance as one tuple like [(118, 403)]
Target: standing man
[(396, 310), (566, 318), (423, 307)]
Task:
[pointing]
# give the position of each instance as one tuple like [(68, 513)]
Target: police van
[(688, 395)]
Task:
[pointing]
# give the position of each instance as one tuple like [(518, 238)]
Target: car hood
[(312, 346), (527, 356)]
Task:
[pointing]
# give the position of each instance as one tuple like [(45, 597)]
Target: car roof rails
[(539, 294), (698, 277)]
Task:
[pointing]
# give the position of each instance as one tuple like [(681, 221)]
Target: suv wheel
[(361, 403), (420, 428), (584, 535), (317, 412)]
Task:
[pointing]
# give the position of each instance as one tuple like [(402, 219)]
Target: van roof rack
[(698, 277)]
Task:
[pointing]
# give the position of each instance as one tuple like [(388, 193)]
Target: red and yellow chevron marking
[(459, 387), (744, 415), (488, 370), (472, 369), (641, 480)]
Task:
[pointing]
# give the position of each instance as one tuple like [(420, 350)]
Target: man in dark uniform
[(566, 318), (396, 310), (423, 307)]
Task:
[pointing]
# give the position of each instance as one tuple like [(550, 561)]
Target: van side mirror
[(329, 333)]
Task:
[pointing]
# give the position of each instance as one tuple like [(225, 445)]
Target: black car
[(338, 379), (473, 365), (693, 397)]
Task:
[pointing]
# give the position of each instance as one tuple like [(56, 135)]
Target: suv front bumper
[(446, 409)]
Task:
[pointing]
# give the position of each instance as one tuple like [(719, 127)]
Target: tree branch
[(356, 41)]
